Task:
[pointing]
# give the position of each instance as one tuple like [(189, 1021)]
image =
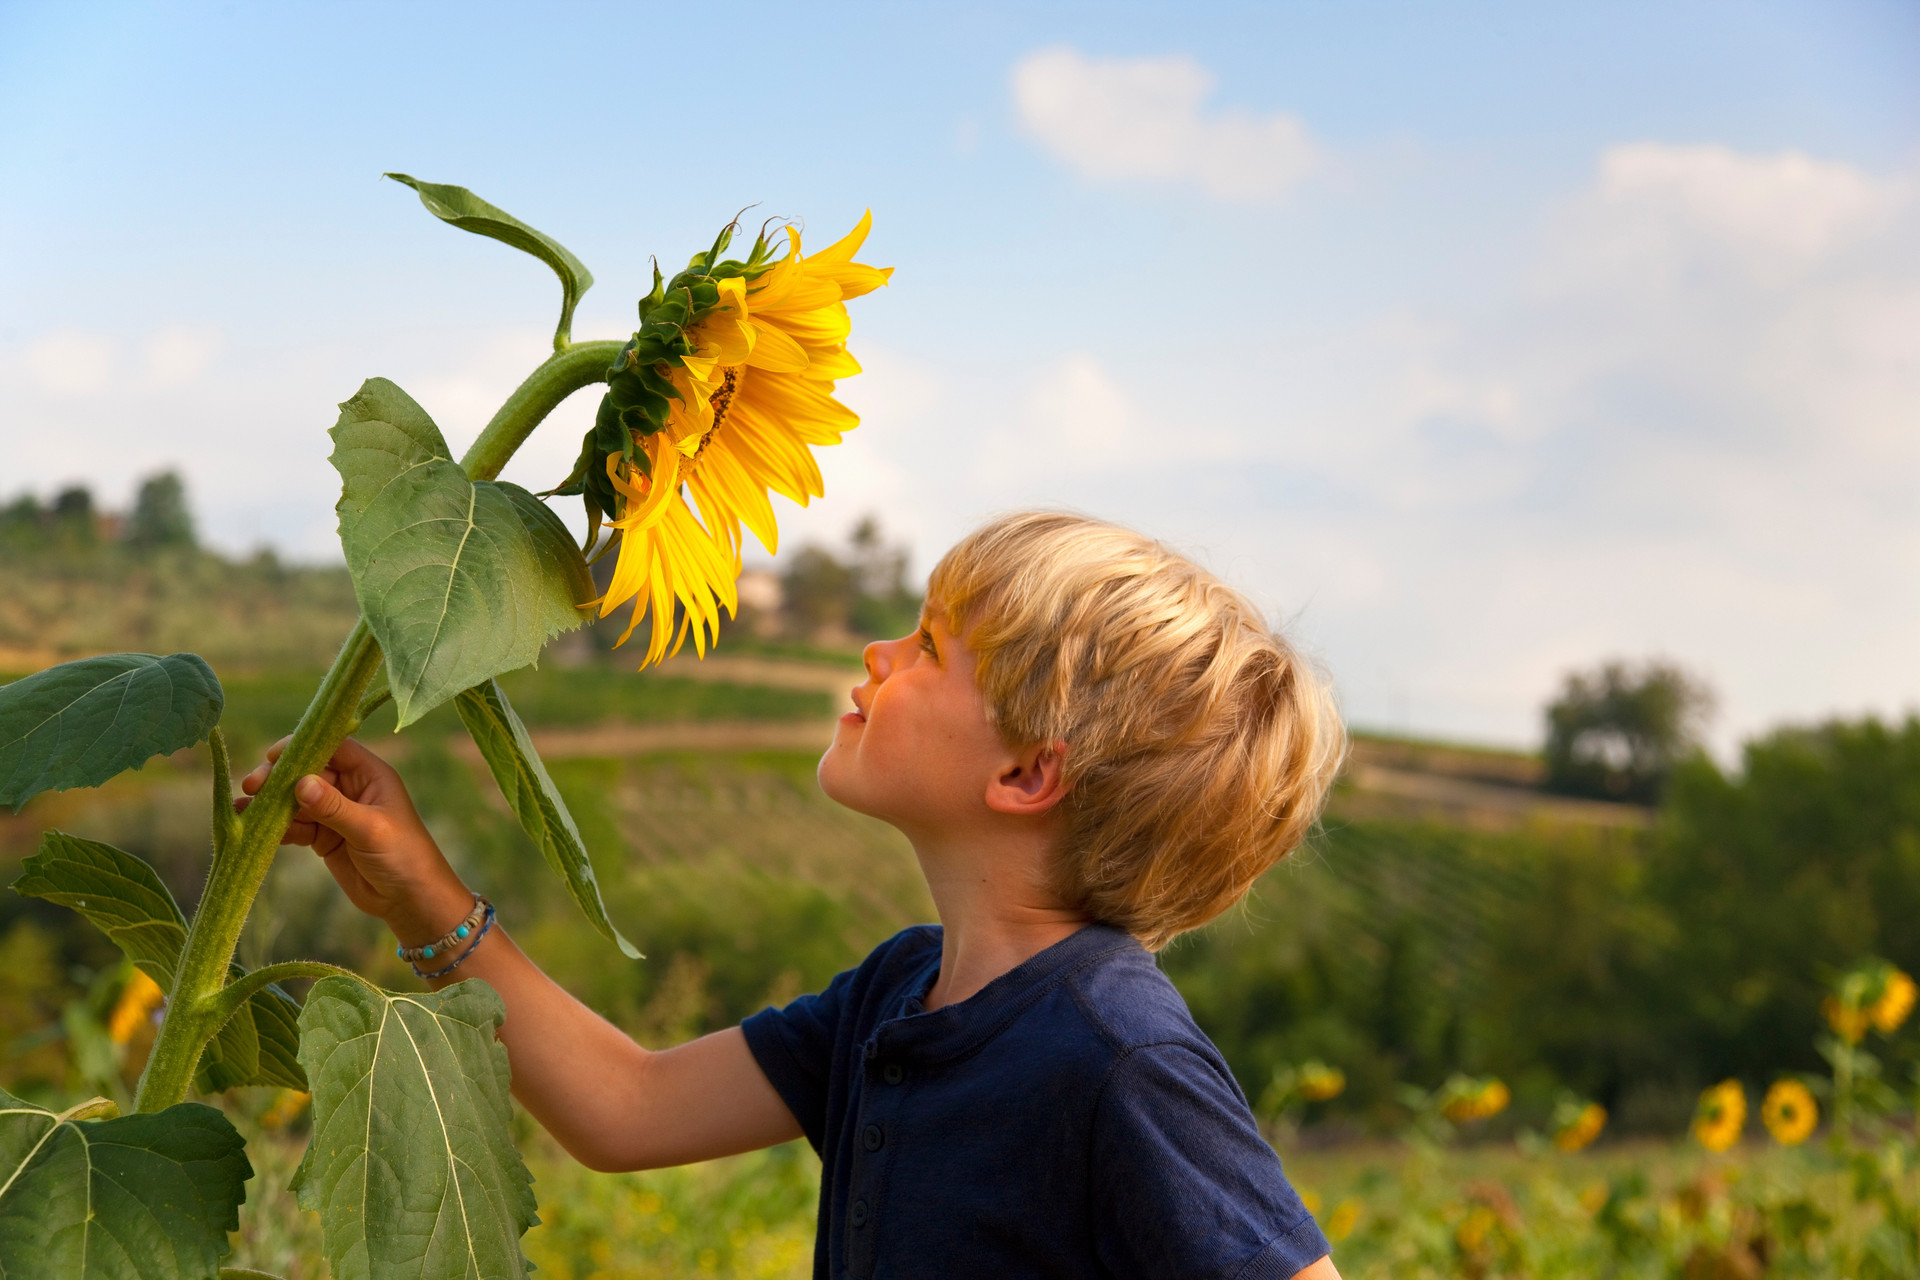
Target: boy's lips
[(859, 713)]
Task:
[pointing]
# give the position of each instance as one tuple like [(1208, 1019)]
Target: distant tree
[(1616, 733), (819, 591), (73, 520), (23, 523), (160, 514)]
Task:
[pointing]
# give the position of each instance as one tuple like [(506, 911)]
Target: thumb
[(322, 802)]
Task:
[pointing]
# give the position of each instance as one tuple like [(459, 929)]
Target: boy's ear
[(1030, 784)]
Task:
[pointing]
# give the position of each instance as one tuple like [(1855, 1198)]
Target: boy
[(1093, 745)]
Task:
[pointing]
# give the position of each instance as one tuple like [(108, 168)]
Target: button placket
[(872, 1151)]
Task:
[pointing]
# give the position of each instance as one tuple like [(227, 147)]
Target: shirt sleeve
[(794, 1047), (1183, 1183)]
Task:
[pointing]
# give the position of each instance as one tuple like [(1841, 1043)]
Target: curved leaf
[(123, 898), (530, 793), (144, 1197), (459, 580), (412, 1164), (80, 723), (469, 212)]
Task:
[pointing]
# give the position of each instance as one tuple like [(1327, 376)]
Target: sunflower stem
[(577, 365), (193, 1006)]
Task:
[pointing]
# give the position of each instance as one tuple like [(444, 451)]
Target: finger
[(240, 804), (301, 833), (322, 802), (252, 783), (274, 751)]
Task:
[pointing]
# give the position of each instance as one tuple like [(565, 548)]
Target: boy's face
[(917, 750)]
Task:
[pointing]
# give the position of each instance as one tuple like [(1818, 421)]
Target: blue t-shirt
[(1068, 1120)]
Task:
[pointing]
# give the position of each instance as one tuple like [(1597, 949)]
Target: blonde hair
[(1200, 743)]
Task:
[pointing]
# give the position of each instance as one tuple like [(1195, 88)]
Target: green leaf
[(459, 581), (145, 1197), (412, 1165), (123, 897), (80, 723), (469, 212), (509, 752)]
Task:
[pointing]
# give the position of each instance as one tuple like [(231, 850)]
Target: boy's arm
[(611, 1103)]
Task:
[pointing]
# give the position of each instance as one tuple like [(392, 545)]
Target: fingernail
[(307, 790)]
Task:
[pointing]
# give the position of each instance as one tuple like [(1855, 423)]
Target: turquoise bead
[(401, 952), (426, 953), (461, 932)]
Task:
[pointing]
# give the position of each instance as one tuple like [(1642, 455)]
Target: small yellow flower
[(138, 999), (1471, 1235), (1471, 1099), (1895, 1003), (1789, 1112), (1341, 1222), (1581, 1127), (1319, 1082), (1721, 1116)]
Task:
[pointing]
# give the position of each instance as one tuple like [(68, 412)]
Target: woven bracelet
[(459, 933), (485, 925)]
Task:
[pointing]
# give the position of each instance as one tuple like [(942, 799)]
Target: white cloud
[(1147, 118), (70, 363), (177, 355)]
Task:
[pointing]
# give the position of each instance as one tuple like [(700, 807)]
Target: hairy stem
[(568, 370), (201, 1000), (193, 1004), (226, 823)]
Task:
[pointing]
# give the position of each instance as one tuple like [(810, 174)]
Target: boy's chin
[(832, 775)]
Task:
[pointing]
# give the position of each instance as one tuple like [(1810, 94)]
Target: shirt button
[(859, 1215), (873, 1138), (892, 1073)]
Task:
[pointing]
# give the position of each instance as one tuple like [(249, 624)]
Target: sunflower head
[(1465, 1099), (1576, 1123), (1789, 1112), (1721, 1115), (1871, 995), (716, 403)]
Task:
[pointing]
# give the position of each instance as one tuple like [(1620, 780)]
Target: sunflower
[(719, 402), (1467, 1099), (1576, 1125), (138, 999), (1721, 1116), (1319, 1082), (1789, 1112), (1895, 1003), (1849, 1021)]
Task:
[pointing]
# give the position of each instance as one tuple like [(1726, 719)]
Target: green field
[(1445, 919)]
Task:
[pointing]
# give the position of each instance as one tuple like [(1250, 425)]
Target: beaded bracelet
[(485, 925), (458, 933)]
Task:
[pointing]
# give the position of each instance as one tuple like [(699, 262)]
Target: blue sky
[(1478, 341)]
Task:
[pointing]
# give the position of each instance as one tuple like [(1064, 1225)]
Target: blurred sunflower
[(134, 1009), (1848, 1021), (719, 401), (1894, 1004), (1467, 1099), (1319, 1082), (1575, 1125), (1789, 1112), (1721, 1115)]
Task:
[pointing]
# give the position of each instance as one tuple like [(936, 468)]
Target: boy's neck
[(995, 910)]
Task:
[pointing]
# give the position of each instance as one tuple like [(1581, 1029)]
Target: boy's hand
[(356, 814)]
